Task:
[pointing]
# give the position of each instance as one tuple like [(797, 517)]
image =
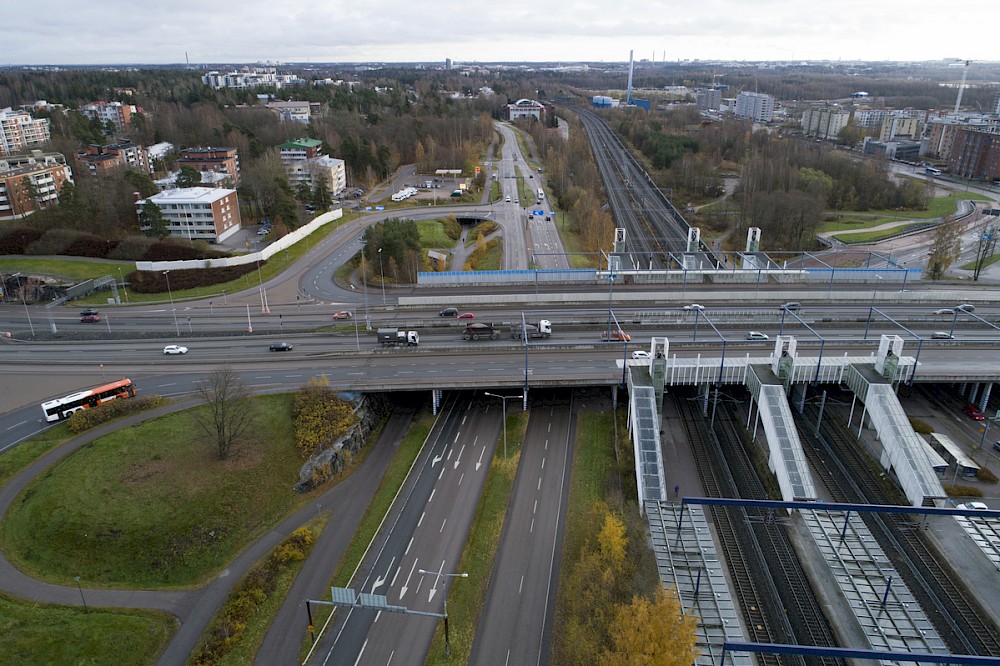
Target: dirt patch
[(141, 473)]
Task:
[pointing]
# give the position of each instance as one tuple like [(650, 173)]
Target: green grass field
[(15, 459), (970, 266), (41, 634), (68, 268), (432, 234), (853, 223), (872, 236), (938, 207), (151, 506)]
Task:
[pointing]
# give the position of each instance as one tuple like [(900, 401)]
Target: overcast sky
[(147, 31)]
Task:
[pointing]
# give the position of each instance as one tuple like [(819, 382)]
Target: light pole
[(504, 399), (122, 276), (382, 273), (438, 575), (871, 306), (357, 338), (364, 285), (77, 579), (986, 428), (170, 295), (249, 323), (263, 292), (24, 302)]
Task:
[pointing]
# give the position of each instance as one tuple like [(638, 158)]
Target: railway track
[(850, 475)]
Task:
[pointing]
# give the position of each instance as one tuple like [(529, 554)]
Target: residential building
[(870, 117), (975, 153), (294, 111), (300, 150), (251, 78), (224, 161), (755, 106), (158, 151), (197, 213), (19, 131), (31, 182), (709, 99), (116, 113), (99, 160), (904, 151), (824, 123), (900, 125), (525, 108)]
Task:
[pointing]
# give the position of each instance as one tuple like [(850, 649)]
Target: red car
[(90, 319), (466, 315), (973, 412)]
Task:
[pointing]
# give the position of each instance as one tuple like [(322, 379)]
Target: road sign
[(538, 213)]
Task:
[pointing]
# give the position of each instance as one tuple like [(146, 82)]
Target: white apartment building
[(19, 131), (197, 213), (824, 123), (116, 113), (251, 78), (314, 170), (294, 111), (755, 106)]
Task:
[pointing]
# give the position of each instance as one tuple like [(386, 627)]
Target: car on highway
[(517, 201), (996, 445), (343, 314), (966, 307), (90, 319), (175, 349), (280, 346), (973, 506), (87, 312), (944, 311), (466, 315), (507, 198), (448, 312), (694, 306), (942, 335), (640, 355), (757, 335), (791, 306), (973, 412)]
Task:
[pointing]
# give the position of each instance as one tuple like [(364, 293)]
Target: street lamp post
[(381, 273), (170, 295), (364, 285), (439, 575), (357, 337), (264, 309), (122, 276), (24, 302), (871, 306), (986, 428), (504, 399)]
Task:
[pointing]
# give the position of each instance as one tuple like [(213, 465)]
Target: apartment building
[(224, 161), (870, 117), (197, 213), (900, 125), (19, 131), (975, 153), (709, 99), (31, 182), (99, 160), (755, 106), (300, 150), (251, 77), (294, 111), (116, 113), (305, 163), (824, 123)]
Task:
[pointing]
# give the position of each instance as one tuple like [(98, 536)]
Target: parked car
[(280, 346), (640, 355), (757, 335), (175, 349), (466, 315), (343, 314), (973, 506), (944, 311), (88, 312), (973, 412), (942, 335), (90, 319), (448, 312)]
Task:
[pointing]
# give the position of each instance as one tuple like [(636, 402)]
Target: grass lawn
[(41, 634), (571, 243), (151, 506), (14, 460), (971, 266), (381, 501), (872, 236), (432, 234), (938, 207), (491, 259), (852, 223), (466, 597), (72, 269)]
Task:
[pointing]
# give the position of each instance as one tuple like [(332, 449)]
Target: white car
[(694, 306), (640, 355), (175, 349), (756, 335), (973, 506)]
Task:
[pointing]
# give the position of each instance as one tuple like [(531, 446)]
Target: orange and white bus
[(63, 408)]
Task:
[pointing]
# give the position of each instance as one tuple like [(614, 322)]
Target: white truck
[(543, 329), (393, 337)]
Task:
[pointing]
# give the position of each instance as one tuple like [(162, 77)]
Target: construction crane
[(961, 86)]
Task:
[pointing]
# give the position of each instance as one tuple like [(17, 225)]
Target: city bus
[(63, 408)]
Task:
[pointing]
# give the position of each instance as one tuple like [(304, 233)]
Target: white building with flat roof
[(197, 213), (19, 131), (755, 106)]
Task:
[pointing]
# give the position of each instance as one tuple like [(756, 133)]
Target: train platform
[(972, 547)]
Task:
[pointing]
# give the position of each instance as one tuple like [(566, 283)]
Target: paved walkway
[(195, 608)]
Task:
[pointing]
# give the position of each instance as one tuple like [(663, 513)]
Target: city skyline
[(54, 32)]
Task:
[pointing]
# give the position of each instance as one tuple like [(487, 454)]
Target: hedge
[(85, 419), (154, 282), (16, 240)]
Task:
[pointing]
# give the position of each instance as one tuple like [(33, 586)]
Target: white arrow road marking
[(480, 463), (436, 460), (406, 585), (459, 458), (379, 582)]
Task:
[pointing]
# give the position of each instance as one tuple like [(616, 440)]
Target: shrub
[(986, 476), (132, 248), (172, 250), (85, 419), (54, 242), (89, 245), (16, 240), (962, 491), (452, 227), (319, 416), (920, 426), (154, 282)]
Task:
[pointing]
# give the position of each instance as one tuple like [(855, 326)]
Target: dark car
[(88, 312), (280, 346), (448, 312), (90, 319)]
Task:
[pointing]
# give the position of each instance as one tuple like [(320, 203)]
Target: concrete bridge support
[(436, 400), (984, 397), (973, 392)]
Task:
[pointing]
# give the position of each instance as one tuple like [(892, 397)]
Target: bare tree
[(228, 412), (986, 242)]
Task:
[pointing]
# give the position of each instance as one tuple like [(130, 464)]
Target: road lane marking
[(171, 384), (458, 459), (543, 464), (521, 585), (463, 419), (16, 425), (431, 498), (442, 525), (481, 454), (546, 445), (532, 528), (442, 473), (406, 585), (421, 519), (535, 510), (550, 427), (461, 478), (539, 483), (408, 546), (394, 577), (358, 660)]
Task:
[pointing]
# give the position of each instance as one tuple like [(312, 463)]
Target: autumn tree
[(945, 248), (228, 413), (652, 633), (319, 416)]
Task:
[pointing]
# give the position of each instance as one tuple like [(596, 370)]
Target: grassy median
[(14, 459)]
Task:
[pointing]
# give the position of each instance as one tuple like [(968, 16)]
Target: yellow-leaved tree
[(652, 633)]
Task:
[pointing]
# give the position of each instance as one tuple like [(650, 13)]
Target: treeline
[(392, 249)]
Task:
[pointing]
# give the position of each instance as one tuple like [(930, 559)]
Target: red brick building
[(216, 160), (99, 160), (975, 153), (31, 182)]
